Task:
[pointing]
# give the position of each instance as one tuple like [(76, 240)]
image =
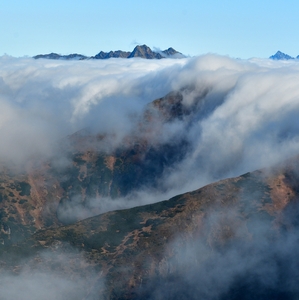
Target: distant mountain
[(170, 52), (142, 51), (115, 54), (281, 56), (145, 52), (73, 56)]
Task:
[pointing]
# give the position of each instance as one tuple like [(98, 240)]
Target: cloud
[(251, 123), (42, 101)]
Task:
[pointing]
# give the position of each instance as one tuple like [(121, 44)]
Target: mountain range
[(233, 239), (141, 51)]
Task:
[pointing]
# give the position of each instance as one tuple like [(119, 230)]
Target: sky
[(240, 29)]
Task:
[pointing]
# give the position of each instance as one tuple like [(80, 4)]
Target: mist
[(63, 274), (255, 263)]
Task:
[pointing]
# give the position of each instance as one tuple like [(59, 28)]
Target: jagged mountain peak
[(144, 51), (170, 51), (281, 56)]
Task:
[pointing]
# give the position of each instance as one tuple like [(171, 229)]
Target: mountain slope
[(157, 251)]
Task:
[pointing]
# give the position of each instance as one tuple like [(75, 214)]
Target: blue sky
[(236, 28)]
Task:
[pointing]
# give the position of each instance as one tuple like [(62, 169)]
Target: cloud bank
[(245, 115)]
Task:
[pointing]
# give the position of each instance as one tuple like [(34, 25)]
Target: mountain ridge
[(141, 51), (131, 249)]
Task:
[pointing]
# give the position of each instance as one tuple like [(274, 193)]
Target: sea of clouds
[(248, 119), (247, 115)]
